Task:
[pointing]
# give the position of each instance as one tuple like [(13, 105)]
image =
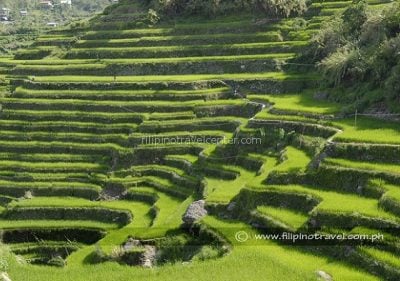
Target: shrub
[(57, 261), (4, 253), (281, 7), (207, 252), (355, 16), (212, 8), (66, 213), (342, 65), (360, 50), (87, 236), (152, 16)]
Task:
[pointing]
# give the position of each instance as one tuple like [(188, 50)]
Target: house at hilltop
[(23, 13), (66, 2), (52, 24), (46, 4), (4, 14)]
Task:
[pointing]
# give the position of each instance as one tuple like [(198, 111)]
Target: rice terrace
[(240, 140)]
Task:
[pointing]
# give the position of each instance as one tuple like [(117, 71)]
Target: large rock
[(4, 277), (131, 244), (321, 96), (231, 207), (149, 256), (322, 275), (195, 212)]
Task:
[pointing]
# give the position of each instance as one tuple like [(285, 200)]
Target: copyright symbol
[(241, 236)]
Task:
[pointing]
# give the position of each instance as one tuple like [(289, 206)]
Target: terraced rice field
[(109, 135)]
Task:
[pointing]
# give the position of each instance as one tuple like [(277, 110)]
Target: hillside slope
[(359, 56), (23, 20), (110, 132)]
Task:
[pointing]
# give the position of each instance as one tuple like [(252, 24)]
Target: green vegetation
[(301, 102), (365, 166), (20, 28), (292, 218), (116, 131), (293, 160), (358, 50), (213, 8), (388, 257), (171, 78), (368, 130), (350, 204)]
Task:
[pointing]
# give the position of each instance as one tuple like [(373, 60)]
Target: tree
[(211, 8)]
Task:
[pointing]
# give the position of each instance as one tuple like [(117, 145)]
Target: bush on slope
[(360, 49), (214, 7)]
